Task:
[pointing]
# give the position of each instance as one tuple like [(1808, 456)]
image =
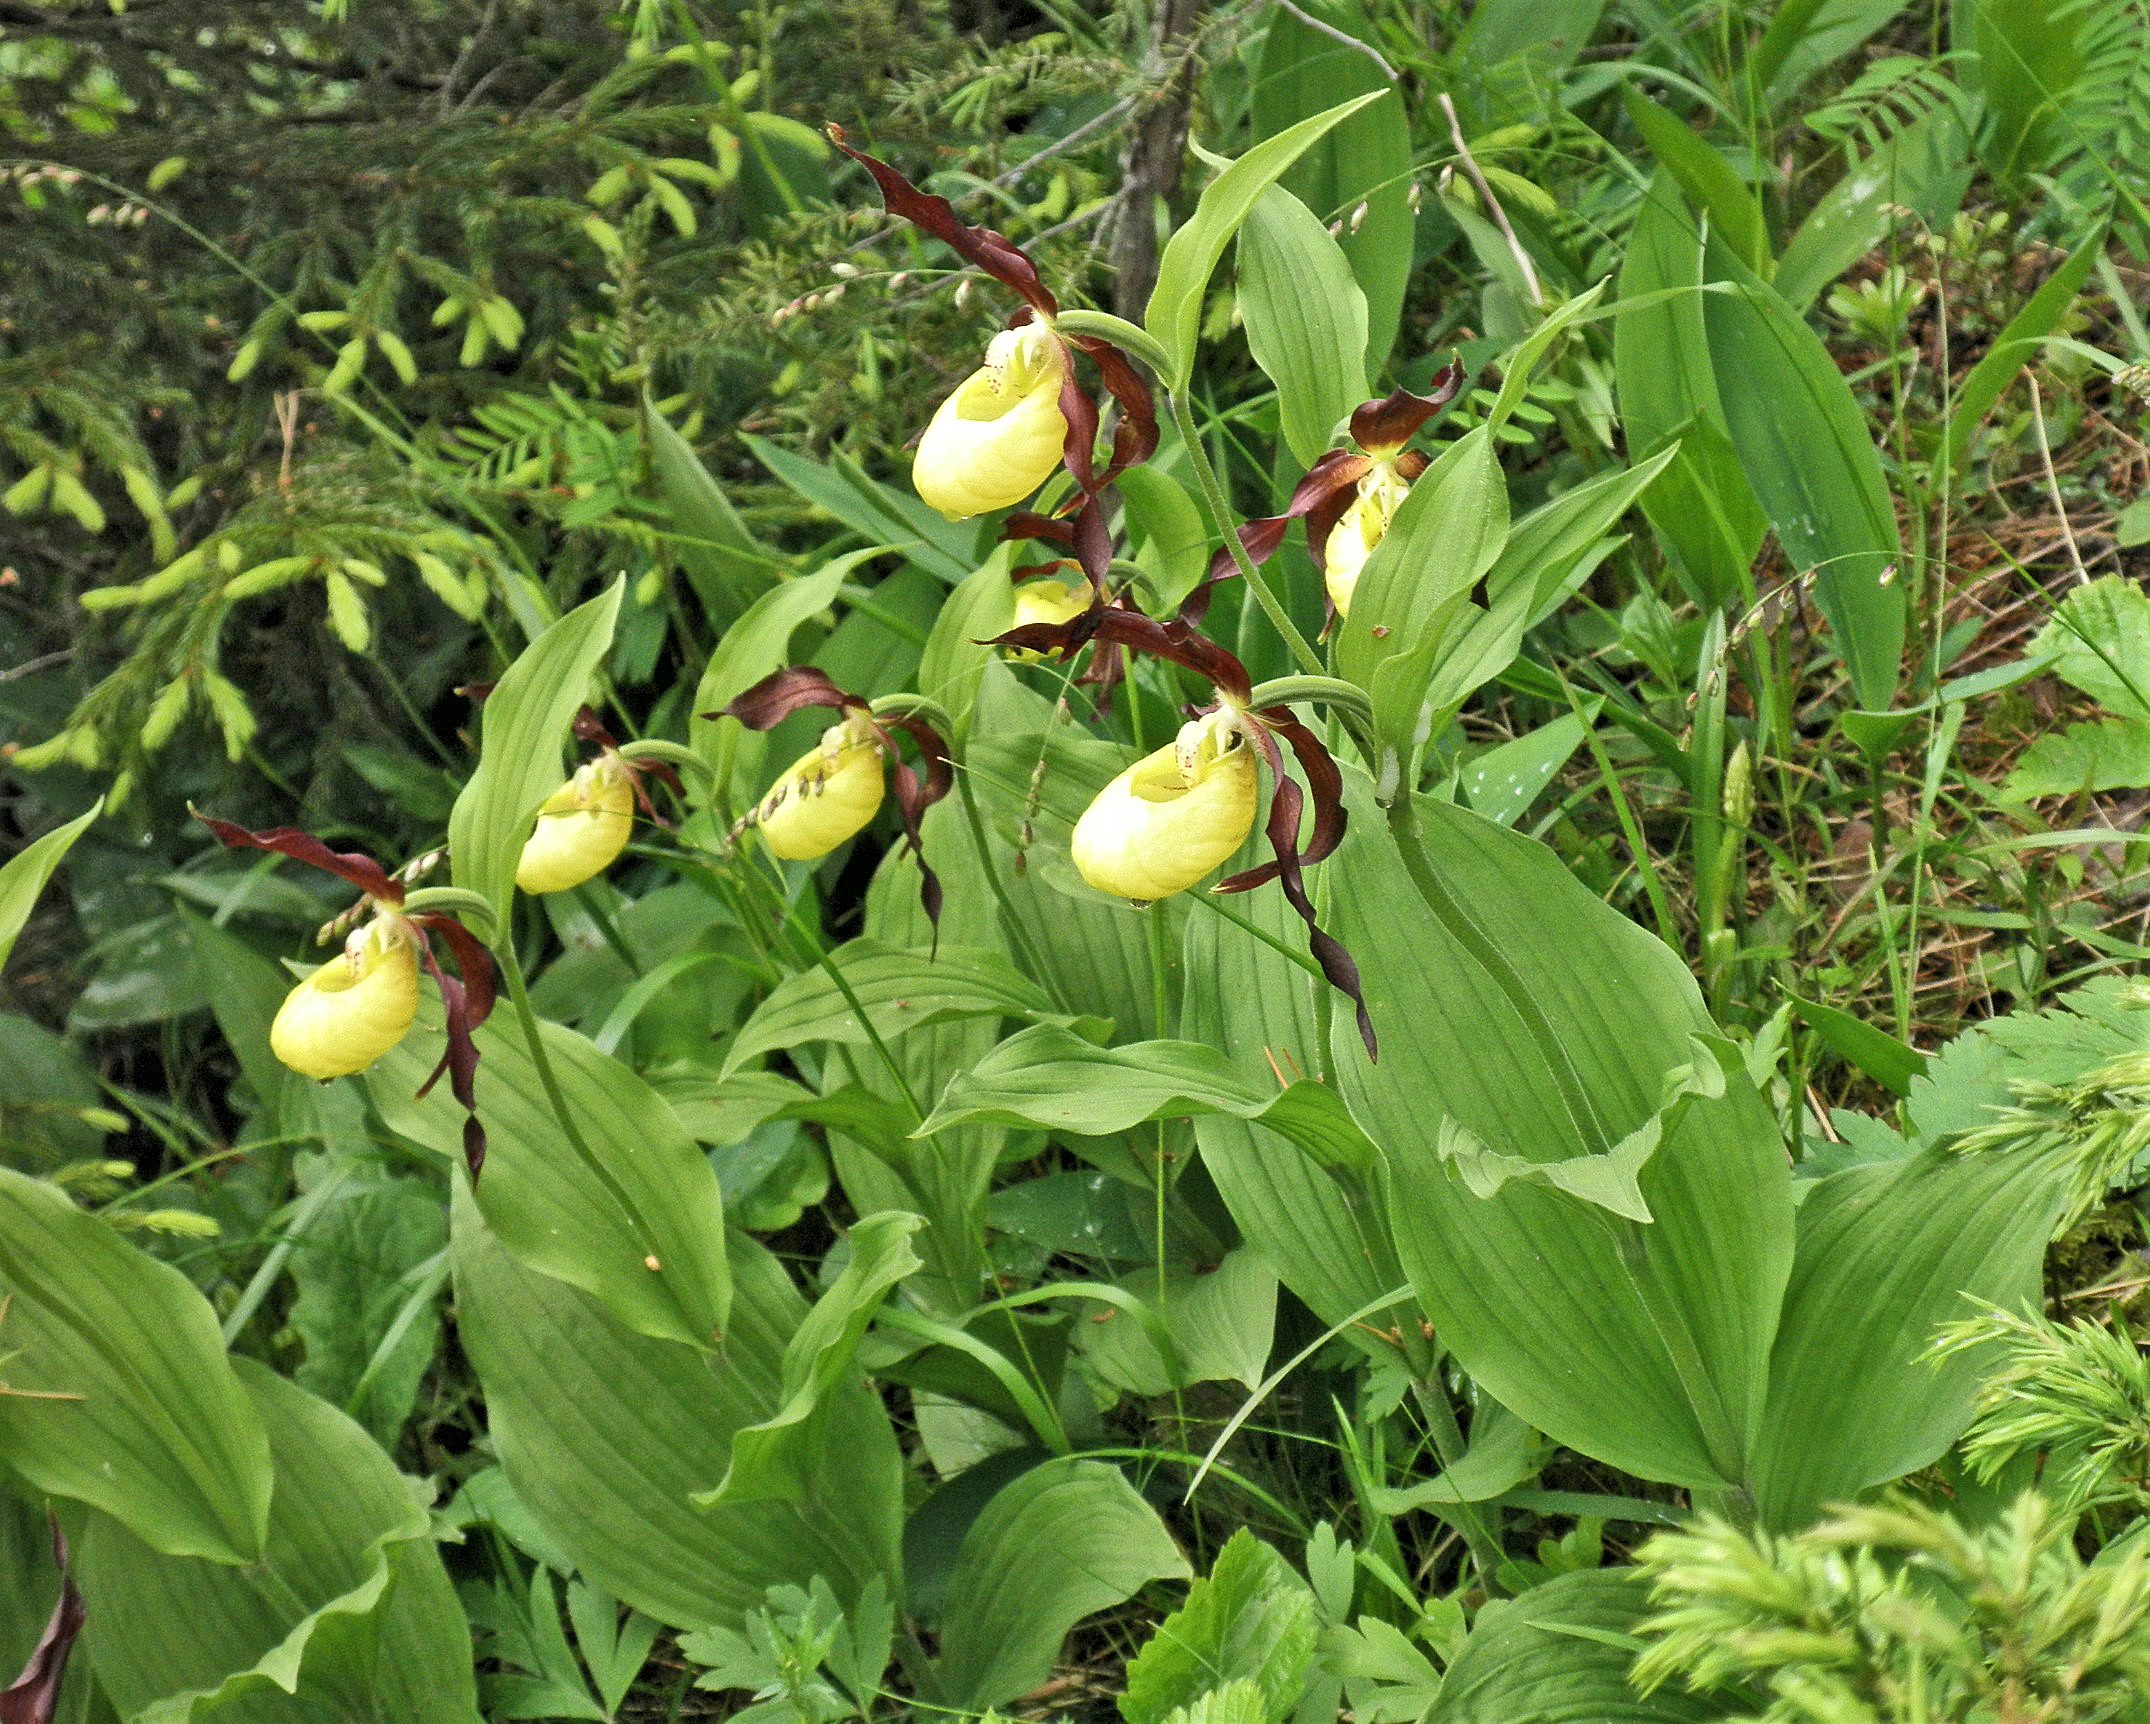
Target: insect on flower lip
[(826, 796)]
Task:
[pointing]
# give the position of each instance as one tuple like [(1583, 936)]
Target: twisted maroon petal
[(913, 798), (1282, 831), (1325, 786), (1114, 626), (1321, 498), (1389, 423), (783, 692), (1135, 439), (992, 252), (1028, 524), (351, 866), (468, 1000), (32, 1696)]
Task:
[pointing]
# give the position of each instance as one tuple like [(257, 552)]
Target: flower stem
[(1220, 515)]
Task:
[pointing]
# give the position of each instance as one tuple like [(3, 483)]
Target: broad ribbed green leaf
[(1547, 543), (1416, 587), (521, 734), (348, 1614), (1706, 177), (874, 510), (1050, 1077), (1174, 314), (1643, 1344), (1220, 1322), (1809, 454), (780, 1456), (1703, 508), (1328, 1242), (1305, 318), (1887, 1254), (1061, 1542), (898, 991), (1560, 1655), (639, 1222), (150, 1425), (607, 1435), (24, 876), (1359, 172)]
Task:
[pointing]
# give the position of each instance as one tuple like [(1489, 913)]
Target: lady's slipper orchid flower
[(581, 828), (826, 796), (999, 436), (832, 791), (1349, 497), (1174, 815), (356, 1007)]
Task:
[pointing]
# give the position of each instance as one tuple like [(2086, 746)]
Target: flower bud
[(1172, 816), (581, 829), (1044, 599), (1361, 527), (353, 1009), (1739, 786), (826, 796), (999, 436)]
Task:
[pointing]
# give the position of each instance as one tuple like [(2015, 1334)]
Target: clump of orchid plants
[(835, 788), (998, 437), (1179, 812), (359, 1005)]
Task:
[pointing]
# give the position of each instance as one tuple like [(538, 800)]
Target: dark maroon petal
[(1093, 543), (781, 693), (1390, 422), (1028, 524), (590, 728), (31, 1697), (352, 866), (994, 253), (1282, 831), (1078, 450), (1135, 439), (1325, 786), (913, 798), (666, 775), (472, 961), (460, 1059), (1322, 496), (1117, 627)]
